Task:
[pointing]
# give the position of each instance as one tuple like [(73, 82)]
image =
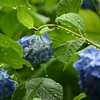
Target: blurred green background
[(43, 12)]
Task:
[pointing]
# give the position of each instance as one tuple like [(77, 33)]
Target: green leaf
[(32, 93), (25, 18), (8, 42), (80, 96), (12, 28), (38, 17), (45, 29), (50, 4), (11, 57), (98, 0), (14, 3), (41, 88), (66, 6), (10, 70), (11, 53), (64, 52), (70, 20), (92, 26), (37, 99), (20, 92), (56, 39)]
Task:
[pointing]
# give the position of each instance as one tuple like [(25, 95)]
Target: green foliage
[(98, 0), (11, 57), (40, 18), (13, 3), (67, 6), (11, 53), (18, 19), (9, 69), (50, 4), (7, 42), (20, 90), (80, 96), (66, 50), (43, 88), (10, 25), (71, 19), (45, 29), (25, 18), (92, 24), (56, 39), (37, 99)]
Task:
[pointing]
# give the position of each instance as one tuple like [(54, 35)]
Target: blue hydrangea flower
[(88, 5), (36, 49), (7, 86), (88, 67)]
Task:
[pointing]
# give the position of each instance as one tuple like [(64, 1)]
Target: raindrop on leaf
[(46, 75), (14, 7), (29, 8)]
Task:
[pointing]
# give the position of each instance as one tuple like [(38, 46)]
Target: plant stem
[(80, 36), (17, 77), (89, 41), (76, 34), (47, 25)]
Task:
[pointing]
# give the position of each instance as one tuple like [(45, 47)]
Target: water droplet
[(72, 34), (46, 75), (14, 7), (29, 8), (32, 69), (85, 34), (56, 95), (47, 97)]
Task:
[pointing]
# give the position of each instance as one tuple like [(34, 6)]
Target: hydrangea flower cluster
[(36, 49), (88, 67), (7, 86), (88, 5)]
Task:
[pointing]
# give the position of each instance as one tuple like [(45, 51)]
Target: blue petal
[(46, 38)]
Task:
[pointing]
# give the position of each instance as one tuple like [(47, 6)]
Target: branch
[(80, 36), (66, 29)]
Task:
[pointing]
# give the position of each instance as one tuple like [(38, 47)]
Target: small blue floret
[(7, 86)]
